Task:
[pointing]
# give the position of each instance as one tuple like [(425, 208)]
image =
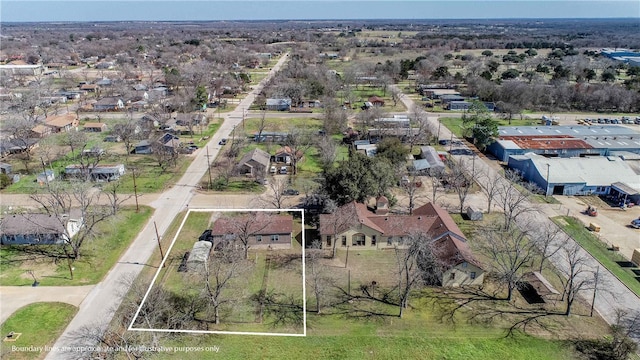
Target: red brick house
[(272, 231)]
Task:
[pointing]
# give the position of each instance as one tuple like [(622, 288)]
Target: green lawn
[(598, 250), (98, 255), (40, 324), (414, 337)]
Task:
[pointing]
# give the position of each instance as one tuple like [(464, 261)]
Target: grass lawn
[(274, 271), (413, 337), (40, 324), (98, 255), (598, 250)]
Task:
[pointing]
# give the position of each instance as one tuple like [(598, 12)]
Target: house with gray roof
[(38, 229), (255, 162)]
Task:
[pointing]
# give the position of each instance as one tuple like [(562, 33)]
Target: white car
[(272, 170)]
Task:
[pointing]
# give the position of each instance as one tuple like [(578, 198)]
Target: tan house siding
[(462, 275)]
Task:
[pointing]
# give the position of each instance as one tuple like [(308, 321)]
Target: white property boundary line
[(304, 290)]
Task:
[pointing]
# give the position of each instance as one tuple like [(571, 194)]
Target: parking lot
[(613, 221)]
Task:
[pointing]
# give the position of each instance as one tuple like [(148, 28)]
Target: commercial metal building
[(601, 175), (564, 141)]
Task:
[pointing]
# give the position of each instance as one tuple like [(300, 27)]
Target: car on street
[(223, 142)]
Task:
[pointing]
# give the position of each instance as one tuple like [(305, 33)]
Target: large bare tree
[(224, 264), (61, 201), (511, 254)]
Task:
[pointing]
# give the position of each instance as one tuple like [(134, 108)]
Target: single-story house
[(185, 119), (37, 229), (143, 147), (40, 131), (270, 136), (433, 160), (89, 87), (108, 104), (100, 172), (16, 146), (283, 104), (95, 127), (366, 229), (273, 231), (60, 123), (285, 155), (458, 105), (376, 101), (254, 162)]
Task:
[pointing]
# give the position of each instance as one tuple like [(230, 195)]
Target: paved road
[(98, 307), (611, 295)]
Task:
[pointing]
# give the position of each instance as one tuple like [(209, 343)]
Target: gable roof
[(429, 218), (271, 225), (258, 155), (61, 120), (27, 224)]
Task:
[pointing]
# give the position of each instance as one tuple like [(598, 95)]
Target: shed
[(474, 214), (5, 168), (198, 255)]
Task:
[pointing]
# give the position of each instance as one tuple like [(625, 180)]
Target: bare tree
[(262, 124), (224, 264), (418, 262), (317, 274), (112, 191), (20, 132), (246, 226), (75, 140), (548, 238), (576, 277), (490, 183), (511, 253), (62, 200), (460, 181), (328, 150), (299, 141), (276, 197), (412, 189), (512, 199), (435, 180)]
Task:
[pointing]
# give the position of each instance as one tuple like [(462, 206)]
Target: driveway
[(13, 298)]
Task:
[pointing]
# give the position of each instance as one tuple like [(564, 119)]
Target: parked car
[(272, 170), (635, 223), (283, 170), (192, 147), (291, 192), (223, 142)]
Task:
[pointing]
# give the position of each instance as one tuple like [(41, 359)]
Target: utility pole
[(595, 288), (135, 188), (209, 168), (439, 123), (159, 244), (546, 193)]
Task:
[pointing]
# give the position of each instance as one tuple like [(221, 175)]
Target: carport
[(622, 191)]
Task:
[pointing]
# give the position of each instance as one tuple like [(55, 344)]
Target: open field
[(39, 325)]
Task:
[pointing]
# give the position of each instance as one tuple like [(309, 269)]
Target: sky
[(202, 10)]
